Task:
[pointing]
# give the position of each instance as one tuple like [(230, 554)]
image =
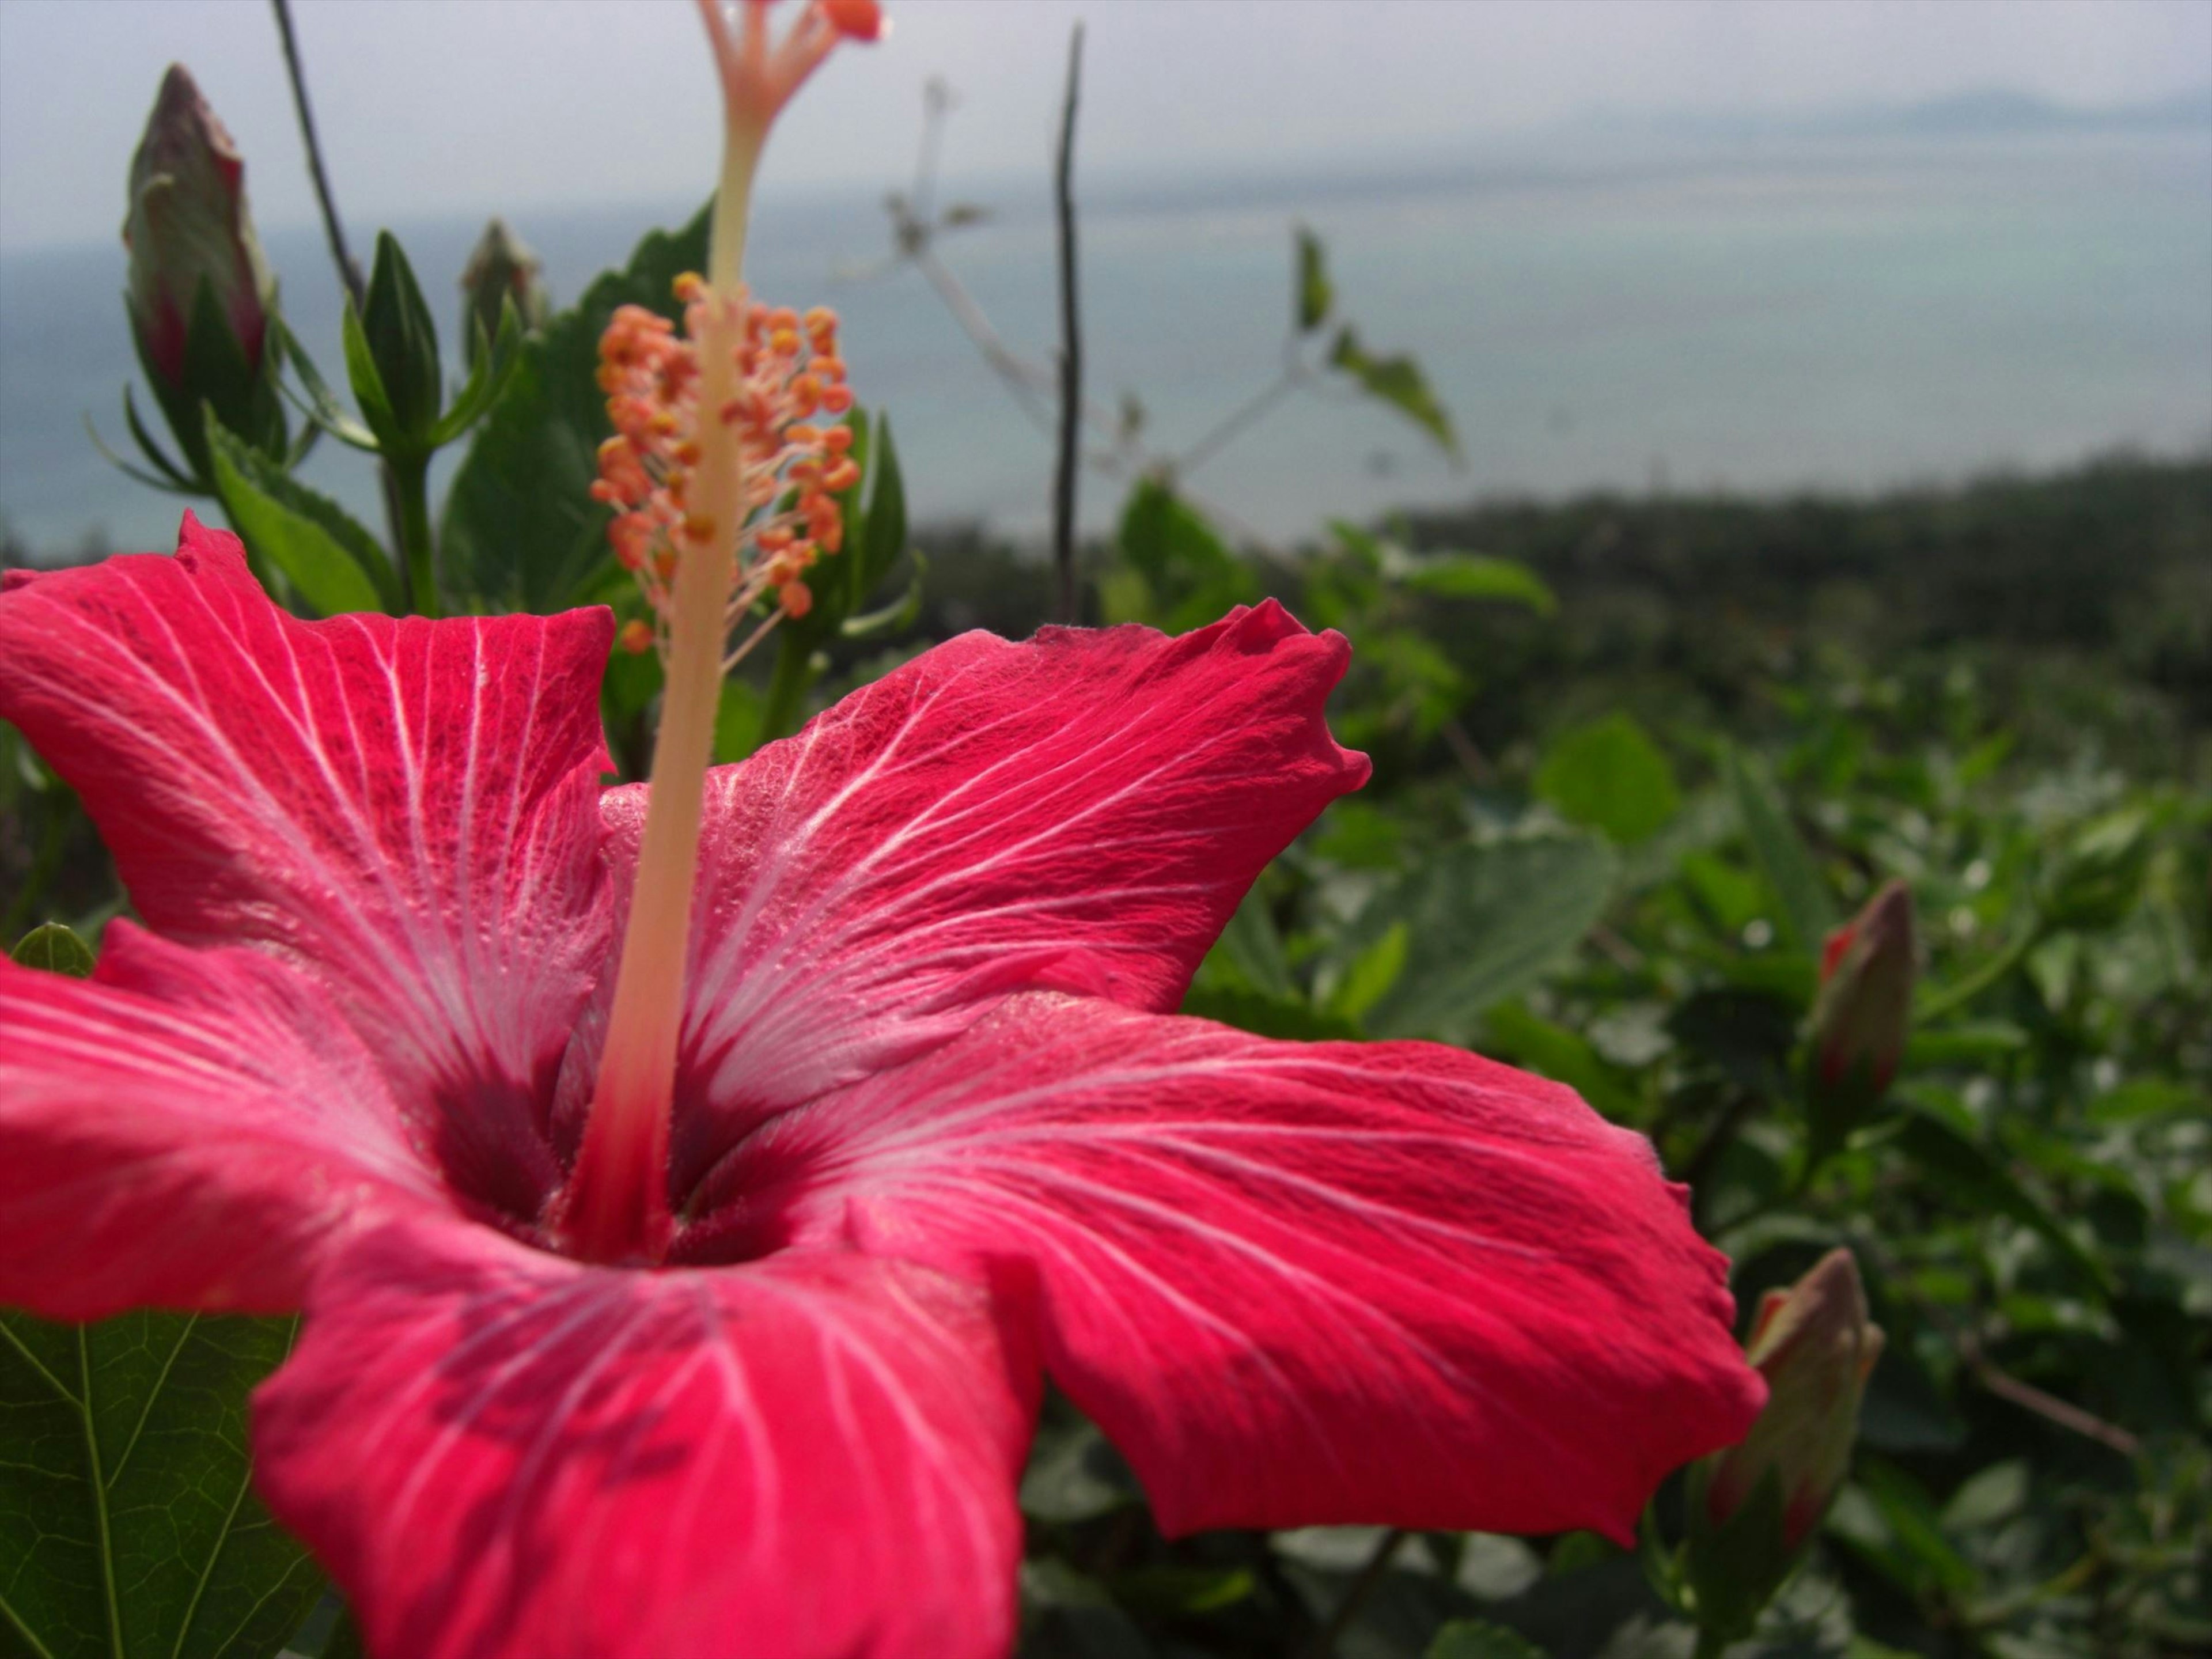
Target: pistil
[(709, 433)]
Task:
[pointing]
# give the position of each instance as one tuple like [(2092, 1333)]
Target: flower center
[(712, 437)]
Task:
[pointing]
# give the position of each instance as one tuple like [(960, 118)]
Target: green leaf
[(366, 382), (1967, 1175), (1372, 974), (1478, 576), (1314, 293), (1268, 1016), (520, 530), (127, 1525), (1251, 942), (333, 562), (738, 721), (1399, 382), (56, 949), (1478, 1638), (402, 340), (1484, 923), (1191, 575), (1608, 775), (1513, 1033), (1807, 913)]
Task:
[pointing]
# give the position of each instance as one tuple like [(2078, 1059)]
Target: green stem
[(412, 479), (788, 687), (1959, 995)]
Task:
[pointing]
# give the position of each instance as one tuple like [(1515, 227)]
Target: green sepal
[(334, 563), (323, 409), (217, 374), (401, 340), (491, 366)]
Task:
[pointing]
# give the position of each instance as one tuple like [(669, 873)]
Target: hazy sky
[(428, 106)]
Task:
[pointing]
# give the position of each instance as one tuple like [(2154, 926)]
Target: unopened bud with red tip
[(1753, 1507), (502, 267), (187, 229), (1865, 1006)]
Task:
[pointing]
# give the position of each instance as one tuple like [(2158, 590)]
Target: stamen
[(700, 524)]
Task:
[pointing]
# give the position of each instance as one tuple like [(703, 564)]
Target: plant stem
[(1068, 464), (334, 230), (1355, 1596), (411, 484), (349, 272), (1981, 979)]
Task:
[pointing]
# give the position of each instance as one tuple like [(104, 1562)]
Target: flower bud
[(1865, 1005), (188, 228), (1754, 1506), (1861, 1016), (503, 267)]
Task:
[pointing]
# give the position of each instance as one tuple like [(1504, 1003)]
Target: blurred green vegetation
[(1633, 758)]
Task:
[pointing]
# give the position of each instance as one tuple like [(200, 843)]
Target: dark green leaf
[(1399, 382), (1483, 924), (520, 530), (1512, 1032), (1967, 1174), (56, 949), (128, 1529), (1188, 570), (1314, 296), (331, 561), (1609, 776), (1807, 913), (1265, 1015)]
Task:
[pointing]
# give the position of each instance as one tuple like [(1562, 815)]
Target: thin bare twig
[(1069, 462), (349, 272), (2049, 1407)]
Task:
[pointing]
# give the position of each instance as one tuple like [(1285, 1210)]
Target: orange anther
[(782, 317), (636, 636), (796, 599), (784, 343), (689, 286), (829, 369), (700, 528), (843, 475), (837, 398), (856, 20), (837, 440), (806, 437), (819, 319)]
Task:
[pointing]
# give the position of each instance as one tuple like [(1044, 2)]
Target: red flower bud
[(1815, 1345), (188, 226), (502, 267), (1865, 1006), (1754, 1506)]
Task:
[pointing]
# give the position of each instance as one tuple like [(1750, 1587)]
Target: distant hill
[(1970, 113)]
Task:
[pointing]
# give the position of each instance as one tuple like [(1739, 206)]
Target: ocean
[(1617, 312)]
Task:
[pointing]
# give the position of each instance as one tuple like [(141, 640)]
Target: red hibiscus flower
[(936, 1131)]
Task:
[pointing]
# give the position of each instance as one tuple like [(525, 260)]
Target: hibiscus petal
[(1300, 1284), (406, 808), (498, 1452), (190, 1128), (1082, 813)]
